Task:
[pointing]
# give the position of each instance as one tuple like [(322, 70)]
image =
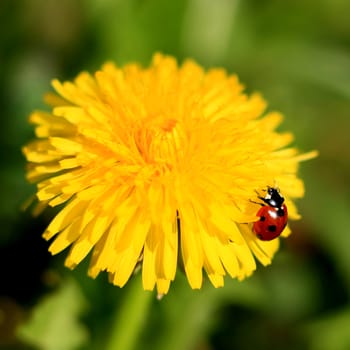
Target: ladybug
[(273, 216)]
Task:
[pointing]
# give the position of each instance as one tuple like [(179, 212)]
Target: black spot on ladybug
[(280, 212), (262, 218), (272, 228)]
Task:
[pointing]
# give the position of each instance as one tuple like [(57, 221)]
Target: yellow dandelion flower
[(159, 167)]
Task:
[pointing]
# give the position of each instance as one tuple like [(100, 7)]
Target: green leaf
[(331, 332), (211, 41), (54, 324), (330, 70), (135, 309), (190, 315), (330, 219)]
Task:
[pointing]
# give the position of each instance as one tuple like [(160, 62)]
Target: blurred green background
[(297, 53)]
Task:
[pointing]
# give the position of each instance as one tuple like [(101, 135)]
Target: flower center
[(156, 143)]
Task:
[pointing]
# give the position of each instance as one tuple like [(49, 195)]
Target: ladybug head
[(273, 197)]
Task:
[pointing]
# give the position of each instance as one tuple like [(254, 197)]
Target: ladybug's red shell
[(272, 222)]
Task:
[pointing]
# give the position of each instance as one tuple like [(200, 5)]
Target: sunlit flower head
[(160, 167)]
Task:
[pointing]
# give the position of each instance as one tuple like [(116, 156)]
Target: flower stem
[(130, 317)]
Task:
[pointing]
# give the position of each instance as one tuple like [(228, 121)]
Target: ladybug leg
[(262, 198), (262, 204)]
